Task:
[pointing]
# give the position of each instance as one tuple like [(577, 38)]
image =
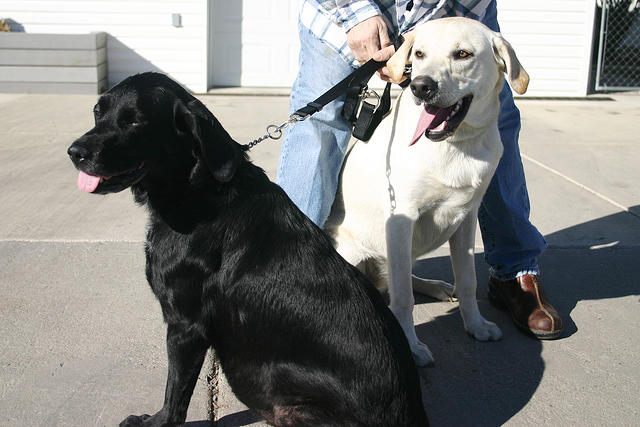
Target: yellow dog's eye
[(461, 54), (419, 54)]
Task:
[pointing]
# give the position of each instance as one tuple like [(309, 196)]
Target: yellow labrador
[(420, 180)]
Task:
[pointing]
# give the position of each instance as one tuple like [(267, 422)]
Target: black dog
[(302, 337)]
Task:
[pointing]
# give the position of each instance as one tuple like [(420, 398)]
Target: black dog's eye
[(128, 119), (96, 111), (461, 54)]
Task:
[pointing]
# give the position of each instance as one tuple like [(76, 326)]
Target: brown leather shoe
[(528, 305)]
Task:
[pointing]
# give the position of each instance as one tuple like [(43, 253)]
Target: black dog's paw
[(134, 420), (158, 420)]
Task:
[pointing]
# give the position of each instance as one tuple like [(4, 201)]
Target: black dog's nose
[(77, 153), (424, 87)]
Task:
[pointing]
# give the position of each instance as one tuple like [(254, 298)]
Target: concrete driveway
[(83, 338)]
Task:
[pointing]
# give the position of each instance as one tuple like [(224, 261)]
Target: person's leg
[(313, 151), (512, 244)]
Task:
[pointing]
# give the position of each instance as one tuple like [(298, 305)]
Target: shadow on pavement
[(475, 383), (238, 419), (486, 384)]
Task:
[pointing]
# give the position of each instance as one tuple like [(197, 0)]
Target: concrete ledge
[(52, 74), (51, 57), (91, 41), (65, 88), (53, 63)]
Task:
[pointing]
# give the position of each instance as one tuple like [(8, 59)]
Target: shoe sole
[(498, 301)]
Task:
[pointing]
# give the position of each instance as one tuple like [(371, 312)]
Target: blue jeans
[(313, 151)]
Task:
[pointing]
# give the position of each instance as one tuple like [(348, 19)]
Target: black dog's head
[(149, 127)]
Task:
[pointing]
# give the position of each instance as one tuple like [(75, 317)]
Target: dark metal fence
[(618, 66)]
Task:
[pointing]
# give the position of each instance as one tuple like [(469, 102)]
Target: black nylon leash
[(356, 79), (355, 82), (364, 116), (351, 85)]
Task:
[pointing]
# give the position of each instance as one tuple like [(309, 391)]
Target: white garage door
[(253, 42)]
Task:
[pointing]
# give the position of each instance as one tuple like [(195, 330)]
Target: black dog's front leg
[(186, 351)]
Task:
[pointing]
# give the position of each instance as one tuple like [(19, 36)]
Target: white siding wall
[(141, 35), (276, 55), (552, 39), (255, 42)]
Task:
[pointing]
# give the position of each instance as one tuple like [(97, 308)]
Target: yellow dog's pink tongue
[(88, 182), (429, 121), (423, 124)]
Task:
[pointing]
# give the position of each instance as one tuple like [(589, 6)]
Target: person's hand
[(369, 39)]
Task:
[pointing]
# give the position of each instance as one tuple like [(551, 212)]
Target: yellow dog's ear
[(397, 62), (509, 64)]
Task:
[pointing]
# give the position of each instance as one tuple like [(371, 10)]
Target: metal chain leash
[(275, 132)]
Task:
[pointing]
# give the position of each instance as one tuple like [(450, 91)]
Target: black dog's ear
[(216, 147)]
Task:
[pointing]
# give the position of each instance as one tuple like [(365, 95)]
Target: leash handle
[(371, 115)]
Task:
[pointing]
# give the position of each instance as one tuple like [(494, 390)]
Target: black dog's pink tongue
[(88, 182)]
